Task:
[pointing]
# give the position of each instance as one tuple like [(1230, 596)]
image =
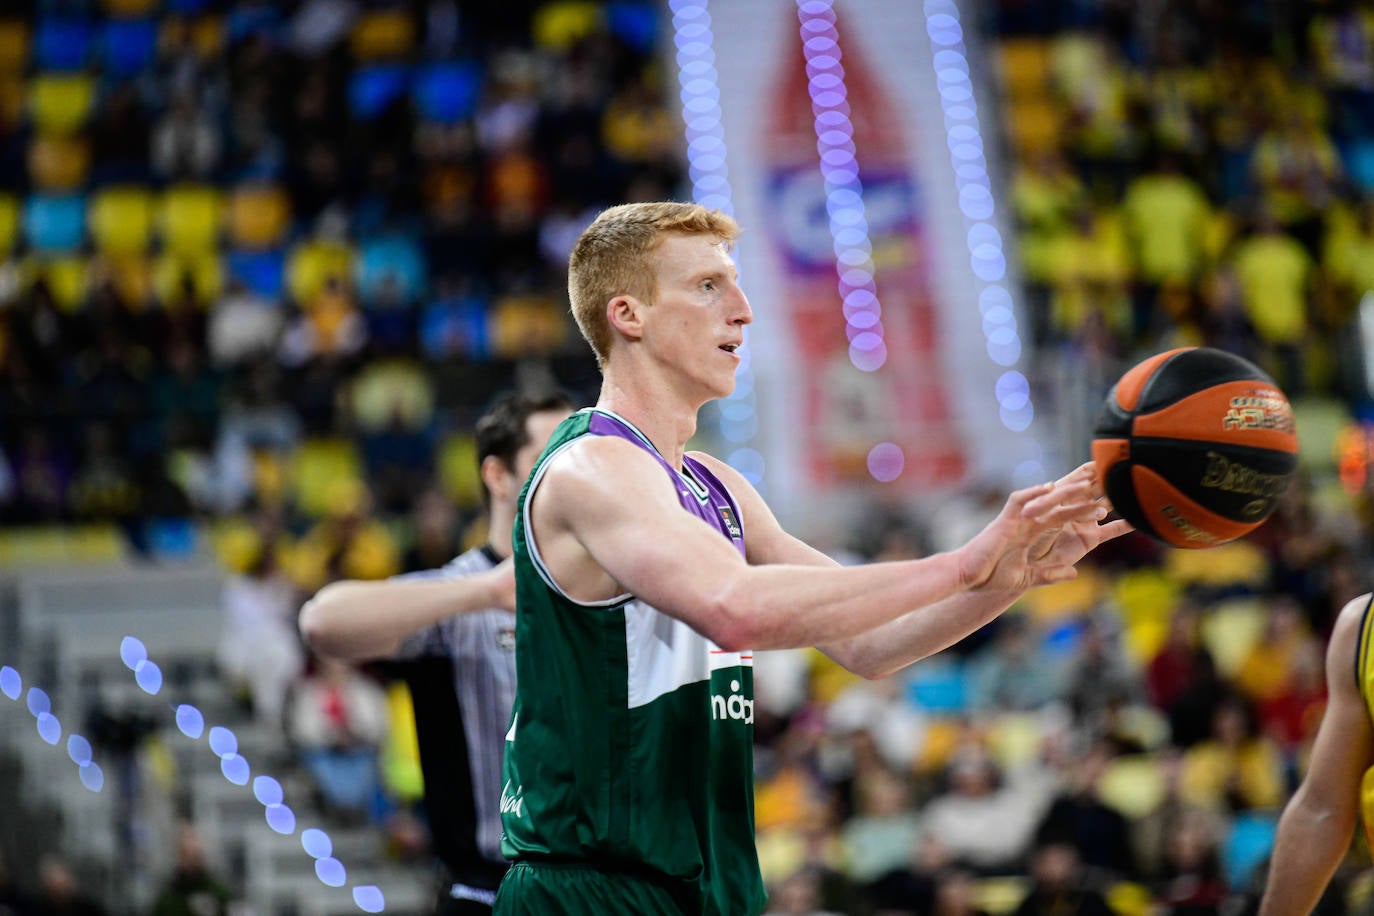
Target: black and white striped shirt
[(467, 661)]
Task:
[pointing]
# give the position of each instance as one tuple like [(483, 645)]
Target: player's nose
[(740, 311)]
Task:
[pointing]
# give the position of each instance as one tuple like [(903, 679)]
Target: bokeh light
[(190, 721), (369, 898), (331, 872), (11, 684), (281, 819)]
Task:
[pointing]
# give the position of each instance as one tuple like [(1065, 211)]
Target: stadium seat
[(372, 89), (1319, 422), (55, 222), (1033, 124), (14, 45), (1239, 564), (561, 24), (58, 163), (121, 220), (13, 95), (9, 223), (263, 272), (311, 263), (390, 259), (457, 469), (189, 219), (66, 278), (382, 35), (60, 104), (1247, 846), (320, 470), (1230, 630), (636, 24), (1023, 64), (447, 92), (63, 43), (128, 47), (128, 9), (1015, 739), (131, 275), (999, 896), (186, 7), (938, 686), (1133, 785), (205, 271), (523, 325), (259, 215)]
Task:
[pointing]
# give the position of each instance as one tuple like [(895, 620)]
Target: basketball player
[(455, 626), (646, 576), (1316, 827)]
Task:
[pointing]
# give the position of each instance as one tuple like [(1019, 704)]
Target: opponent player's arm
[(355, 620), (1316, 827), (923, 631), (612, 499)]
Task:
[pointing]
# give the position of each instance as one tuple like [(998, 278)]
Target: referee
[(454, 627)]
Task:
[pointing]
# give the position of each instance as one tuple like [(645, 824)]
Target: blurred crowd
[(262, 264)]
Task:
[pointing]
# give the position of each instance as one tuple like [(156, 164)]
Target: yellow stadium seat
[(58, 163), (326, 475), (311, 263), (66, 277), (383, 34), (126, 8), (389, 390), (1127, 898), (999, 896), (12, 98), (1237, 563), (14, 45), (458, 476), (523, 325), (131, 275), (9, 223), (1033, 124), (1320, 421), (1024, 66), (60, 104), (1066, 599), (205, 271), (1133, 785), (401, 752), (1014, 739), (121, 220), (556, 26), (259, 215), (1230, 630), (190, 217)]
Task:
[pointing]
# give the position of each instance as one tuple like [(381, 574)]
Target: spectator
[(338, 722), (1236, 769), (1011, 673), (984, 821), (1059, 887), (259, 650), (1098, 835), (60, 893), (192, 890), (1274, 272)]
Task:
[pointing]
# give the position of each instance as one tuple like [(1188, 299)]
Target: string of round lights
[(699, 93), (50, 728)]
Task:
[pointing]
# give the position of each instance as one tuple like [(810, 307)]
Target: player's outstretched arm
[(1316, 827), (355, 620), (925, 630), (613, 500)]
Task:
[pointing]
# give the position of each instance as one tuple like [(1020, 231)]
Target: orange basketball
[(1195, 446)]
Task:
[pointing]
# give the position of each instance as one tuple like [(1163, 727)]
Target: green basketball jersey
[(631, 741)]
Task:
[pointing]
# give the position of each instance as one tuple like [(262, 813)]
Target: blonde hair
[(613, 258)]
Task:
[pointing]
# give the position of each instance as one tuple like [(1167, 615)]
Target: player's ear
[(496, 476), (626, 315)]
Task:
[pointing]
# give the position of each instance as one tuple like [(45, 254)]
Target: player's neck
[(665, 420), (500, 523)]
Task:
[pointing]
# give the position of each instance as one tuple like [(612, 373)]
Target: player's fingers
[(1113, 529), (1072, 493), (1017, 501)]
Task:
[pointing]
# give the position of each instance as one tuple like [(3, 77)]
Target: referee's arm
[(355, 621)]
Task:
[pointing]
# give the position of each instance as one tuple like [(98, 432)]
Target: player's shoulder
[(1348, 633), (598, 465)]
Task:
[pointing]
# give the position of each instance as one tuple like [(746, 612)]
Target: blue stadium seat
[(129, 46), (63, 43), (389, 258), (55, 222), (1247, 846), (263, 272), (636, 24), (372, 89), (938, 686), (446, 93)]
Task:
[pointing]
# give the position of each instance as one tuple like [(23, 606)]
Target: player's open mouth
[(728, 348)]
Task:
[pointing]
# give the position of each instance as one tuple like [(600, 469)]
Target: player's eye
[(708, 285)]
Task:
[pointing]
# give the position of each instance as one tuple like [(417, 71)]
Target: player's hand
[(1075, 540), (501, 581), (1000, 557)]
